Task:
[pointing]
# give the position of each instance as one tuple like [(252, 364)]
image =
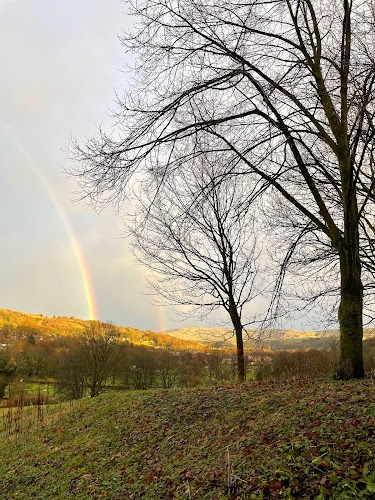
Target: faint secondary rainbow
[(88, 287), (161, 319)]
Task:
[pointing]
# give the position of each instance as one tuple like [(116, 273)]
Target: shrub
[(298, 364), (263, 371), (369, 359)]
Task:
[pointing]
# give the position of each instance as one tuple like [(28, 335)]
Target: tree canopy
[(283, 88)]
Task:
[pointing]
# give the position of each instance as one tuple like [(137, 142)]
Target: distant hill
[(17, 325), (271, 339), (217, 337)]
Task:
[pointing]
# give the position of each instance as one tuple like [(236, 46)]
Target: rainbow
[(92, 308), (88, 287)]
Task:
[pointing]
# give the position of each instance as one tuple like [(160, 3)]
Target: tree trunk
[(351, 300), (241, 372), (236, 321), (350, 315)]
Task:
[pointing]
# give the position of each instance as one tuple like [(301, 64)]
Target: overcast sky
[(61, 64)]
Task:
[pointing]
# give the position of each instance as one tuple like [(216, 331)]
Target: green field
[(261, 440)]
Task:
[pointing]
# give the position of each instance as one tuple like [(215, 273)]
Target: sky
[(61, 65)]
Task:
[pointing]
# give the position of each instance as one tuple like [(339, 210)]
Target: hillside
[(271, 339), (20, 325), (15, 324), (209, 336), (261, 440)]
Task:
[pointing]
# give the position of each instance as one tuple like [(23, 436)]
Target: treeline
[(134, 367), (100, 358)]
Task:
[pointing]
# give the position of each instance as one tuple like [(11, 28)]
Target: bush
[(369, 358), (298, 364), (263, 371)]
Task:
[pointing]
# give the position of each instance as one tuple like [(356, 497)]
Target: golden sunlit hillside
[(21, 325), (15, 324)]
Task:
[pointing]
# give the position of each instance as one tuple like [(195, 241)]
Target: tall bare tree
[(284, 86), (200, 245)]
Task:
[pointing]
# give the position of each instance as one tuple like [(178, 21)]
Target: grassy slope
[(264, 440)]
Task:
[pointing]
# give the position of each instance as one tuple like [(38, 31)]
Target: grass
[(262, 440)]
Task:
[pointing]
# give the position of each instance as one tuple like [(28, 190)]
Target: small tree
[(218, 365), (142, 368), (192, 365), (34, 360), (168, 367), (120, 362), (88, 361), (98, 346), (71, 372), (7, 370)]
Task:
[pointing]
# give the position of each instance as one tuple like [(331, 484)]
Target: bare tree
[(218, 366), (71, 372), (142, 368), (192, 366), (286, 87), (168, 367), (200, 245), (7, 371), (99, 351)]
